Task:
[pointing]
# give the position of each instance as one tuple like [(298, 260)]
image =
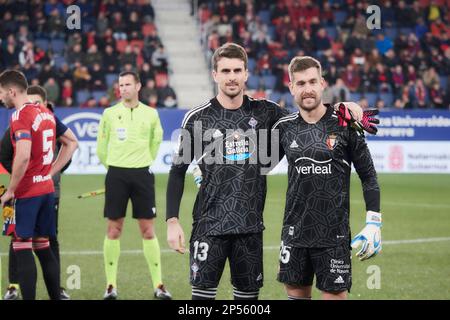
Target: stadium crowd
[(81, 67), (405, 64)]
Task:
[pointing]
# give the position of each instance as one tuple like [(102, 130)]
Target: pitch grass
[(414, 207)]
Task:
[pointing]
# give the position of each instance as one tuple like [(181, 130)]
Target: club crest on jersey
[(331, 141), (253, 123), (195, 270)]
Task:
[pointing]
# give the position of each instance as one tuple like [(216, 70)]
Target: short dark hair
[(39, 91), (229, 50), (13, 78), (303, 63), (135, 75)]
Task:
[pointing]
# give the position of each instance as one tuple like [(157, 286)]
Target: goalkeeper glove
[(369, 237), (198, 176), (367, 123)]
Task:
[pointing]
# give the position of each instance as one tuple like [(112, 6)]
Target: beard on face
[(8, 103), (308, 107)]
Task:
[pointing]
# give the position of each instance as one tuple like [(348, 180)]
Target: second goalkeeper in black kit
[(316, 230)]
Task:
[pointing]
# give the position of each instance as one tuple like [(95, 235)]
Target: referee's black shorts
[(137, 184)]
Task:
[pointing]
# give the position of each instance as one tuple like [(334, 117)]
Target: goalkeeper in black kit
[(320, 150), (224, 135)]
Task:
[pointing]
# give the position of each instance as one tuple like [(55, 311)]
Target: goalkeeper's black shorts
[(122, 184), (331, 266), (208, 255)]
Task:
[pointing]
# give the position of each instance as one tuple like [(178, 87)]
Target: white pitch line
[(409, 204), (386, 242)]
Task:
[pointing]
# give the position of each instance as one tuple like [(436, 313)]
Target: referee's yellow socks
[(152, 254), (111, 253)]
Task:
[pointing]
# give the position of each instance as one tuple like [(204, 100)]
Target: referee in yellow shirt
[(128, 140)]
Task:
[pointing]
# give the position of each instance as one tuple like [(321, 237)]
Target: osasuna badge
[(331, 141)]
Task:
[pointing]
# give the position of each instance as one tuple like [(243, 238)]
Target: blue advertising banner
[(82, 120), (430, 125), (407, 141)]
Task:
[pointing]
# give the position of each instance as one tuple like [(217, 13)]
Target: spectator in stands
[(160, 59), (119, 26), (369, 82), (166, 95), (107, 39), (153, 101), (9, 26), (437, 96), (398, 79), (30, 71), (213, 41), (339, 92), (383, 78), (26, 56), (430, 77), (40, 57), (102, 23), (411, 74), (327, 15), (383, 43), (146, 73), (92, 56), (133, 26), (64, 73), (148, 90), (53, 90), (358, 58), (11, 55), (128, 56), (403, 101), (373, 58), (351, 78), (380, 104), (139, 58), (259, 93), (364, 103), (404, 16), (67, 92), (419, 94), (341, 59), (55, 24), (103, 102), (263, 65), (322, 40), (114, 92), (109, 62), (421, 28), (47, 72), (75, 55), (98, 80), (23, 35), (388, 14), (81, 77)]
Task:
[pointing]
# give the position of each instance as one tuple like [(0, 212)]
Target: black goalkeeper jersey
[(317, 200), (232, 194)]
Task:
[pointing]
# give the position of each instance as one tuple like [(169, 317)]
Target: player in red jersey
[(31, 187)]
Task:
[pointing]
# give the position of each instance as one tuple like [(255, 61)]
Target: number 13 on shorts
[(201, 251)]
